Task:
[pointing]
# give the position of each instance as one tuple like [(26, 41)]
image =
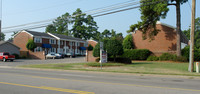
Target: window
[(38, 49), (78, 43), (53, 50), (37, 40), (52, 41), (70, 43)]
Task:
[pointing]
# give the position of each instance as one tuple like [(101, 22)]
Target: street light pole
[(191, 64)]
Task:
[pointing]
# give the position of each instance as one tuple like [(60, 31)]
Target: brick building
[(49, 42), (164, 41)]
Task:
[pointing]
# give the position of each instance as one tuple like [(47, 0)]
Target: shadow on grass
[(140, 63)]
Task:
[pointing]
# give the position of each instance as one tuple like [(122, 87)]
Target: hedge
[(136, 54)]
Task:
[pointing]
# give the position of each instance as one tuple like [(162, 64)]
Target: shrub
[(90, 48), (128, 42), (152, 58), (181, 59), (114, 48), (186, 51), (121, 60), (168, 56), (16, 55), (136, 54), (97, 60)]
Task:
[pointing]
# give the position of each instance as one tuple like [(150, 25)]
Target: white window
[(37, 40), (53, 50), (70, 43), (78, 43), (38, 49), (61, 42), (52, 41)]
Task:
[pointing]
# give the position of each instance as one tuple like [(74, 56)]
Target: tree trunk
[(178, 30)]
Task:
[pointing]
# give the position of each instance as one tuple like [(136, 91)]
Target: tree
[(114, 48), (79, 28), (151, 12), (196, 33), (31, 45), (91, 28), (128, 42), (106, 33), (60, 25), (14, 33), (2, 36), (50, 28), (96, 50)]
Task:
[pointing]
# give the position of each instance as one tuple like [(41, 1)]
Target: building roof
[(65, 37), (3, 42), (34, 33)]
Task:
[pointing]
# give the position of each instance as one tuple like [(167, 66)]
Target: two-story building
[(49, 42)]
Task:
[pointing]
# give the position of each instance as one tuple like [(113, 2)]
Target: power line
[(112, 8), (124, 9), (97, 15)]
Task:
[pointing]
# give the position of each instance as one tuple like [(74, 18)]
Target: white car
[(53, 55)]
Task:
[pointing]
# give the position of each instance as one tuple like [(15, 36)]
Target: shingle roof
[(67, 37), (39, 34), (2, 42)]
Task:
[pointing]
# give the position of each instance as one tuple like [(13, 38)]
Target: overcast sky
[(16, 12)]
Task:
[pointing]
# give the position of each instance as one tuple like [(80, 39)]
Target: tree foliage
[(96, 50), (151, 12), (196, 33), (2, 36), (31, 45), (128, 42), (83, 26), (114, 48)]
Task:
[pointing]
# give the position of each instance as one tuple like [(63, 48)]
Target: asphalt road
[(19, 62), (25, 81)]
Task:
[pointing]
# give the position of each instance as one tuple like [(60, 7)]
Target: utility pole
[(0, 20), (191, 64)]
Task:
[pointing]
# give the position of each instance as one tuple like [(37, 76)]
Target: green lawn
[(164, 68)]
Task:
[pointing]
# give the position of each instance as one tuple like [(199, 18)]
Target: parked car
[(6, 56), (62, 55), (53, 55), (70, 55)]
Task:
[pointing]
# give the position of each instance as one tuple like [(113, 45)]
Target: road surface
[(26, 81)]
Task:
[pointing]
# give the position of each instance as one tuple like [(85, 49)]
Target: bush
[(16, 55), (136, 54), (97, 60), (23, 57), (167, 56), (186, 51), (121, 60), (172, 57), (152, 58), (181, 59), (90, 48)]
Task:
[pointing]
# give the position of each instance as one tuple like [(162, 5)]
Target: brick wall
[(37, 55), (21, 40), (93, 43), (90, 57), (165, 41)]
